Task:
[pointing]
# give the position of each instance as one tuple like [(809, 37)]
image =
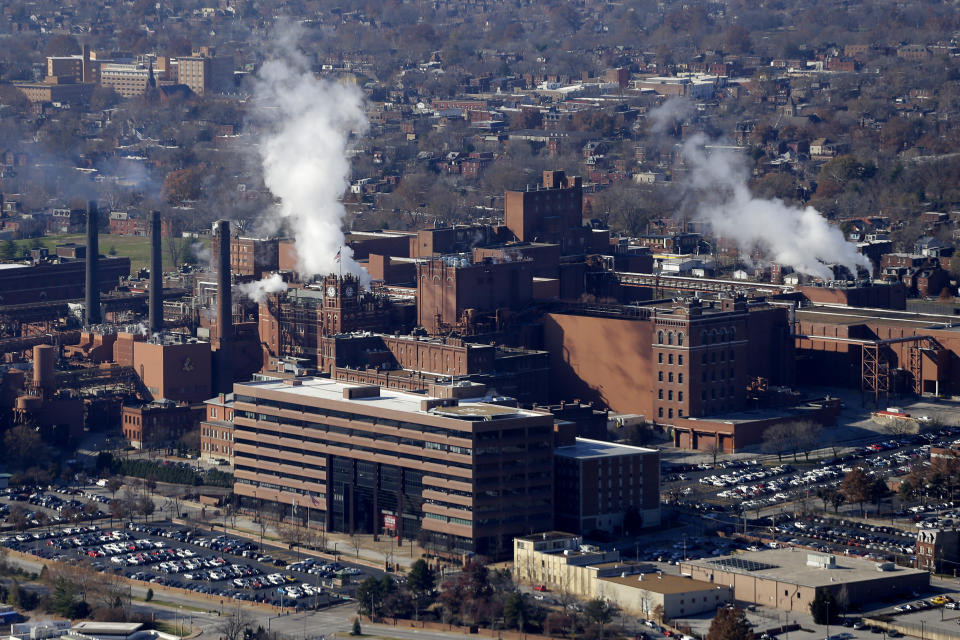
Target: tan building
[(470, 475), (560, 562), (675, 596), (127, 79), (789, 579)]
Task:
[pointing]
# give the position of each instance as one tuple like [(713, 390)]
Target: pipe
[(156, 274), (92, 292)]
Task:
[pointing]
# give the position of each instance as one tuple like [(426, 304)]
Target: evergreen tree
[(730, 623)]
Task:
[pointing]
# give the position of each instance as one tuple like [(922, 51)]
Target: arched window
[(670, 337), (733, 333), (680, 338), (659, 337)]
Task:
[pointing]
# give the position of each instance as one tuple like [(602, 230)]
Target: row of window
[(706, 337)]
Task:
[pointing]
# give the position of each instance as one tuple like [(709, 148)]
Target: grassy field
[(137, 248)]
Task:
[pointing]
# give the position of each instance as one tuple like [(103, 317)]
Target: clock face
[(348, 292), (331, 292)]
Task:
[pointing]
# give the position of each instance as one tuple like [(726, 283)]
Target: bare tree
[(355, 543), (713, 450), (775, 440), (233, 626), (807, 435)]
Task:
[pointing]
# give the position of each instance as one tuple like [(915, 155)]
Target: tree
[(515, 611), (370, 595), (775, 440), (713, 450), (24, 447), (113, 485), (823, 608), (234, 625), (9, 250), (598, 611), (857, 486), (18, 517), (837, 499), (421, 581), (730, 623)]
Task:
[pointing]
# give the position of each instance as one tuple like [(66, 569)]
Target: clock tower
[(341, 304)]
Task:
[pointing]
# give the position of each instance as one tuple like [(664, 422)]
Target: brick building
[(452, 292), (606, 486), (216, 430), (471, 475), (158, 424), (56, 280)]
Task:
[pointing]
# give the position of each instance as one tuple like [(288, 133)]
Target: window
[(659, 358), (670, 359), (679, 396), (680, 359), (679, 413), (670, 377), (659, 394), (670, 394), (660, 412), (670, 337), (660, 376), (680, 378), (670, 413), (659, 337), (731, 355), (680, 338)]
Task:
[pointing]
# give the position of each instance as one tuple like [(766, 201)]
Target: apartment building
[(365, 459)]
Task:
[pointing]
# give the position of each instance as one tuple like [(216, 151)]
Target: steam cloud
[(663, 116), (307, 122), (801, 238), (258, 291)]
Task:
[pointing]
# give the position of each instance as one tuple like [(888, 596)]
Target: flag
[(294, 506), (315, 502), (336, 258)]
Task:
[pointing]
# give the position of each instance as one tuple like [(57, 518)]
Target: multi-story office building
[(127, 79), (370, 460), (606, 486)]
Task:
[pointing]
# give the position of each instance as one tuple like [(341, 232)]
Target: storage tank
[(43, 360)]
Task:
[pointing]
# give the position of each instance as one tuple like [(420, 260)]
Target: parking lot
[(196, 560)]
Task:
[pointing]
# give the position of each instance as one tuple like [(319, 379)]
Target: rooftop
[(660, 583), (587, 449), (107, 628), (790, 565), (388, 399)]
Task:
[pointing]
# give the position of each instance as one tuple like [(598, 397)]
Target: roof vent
[(364, 391)]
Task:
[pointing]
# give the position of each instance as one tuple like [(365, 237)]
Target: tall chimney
[(224, 356), (156, 275), (93, 266)]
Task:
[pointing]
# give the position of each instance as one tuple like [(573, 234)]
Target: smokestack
[(224, 356), (93, 267), (156, 275)]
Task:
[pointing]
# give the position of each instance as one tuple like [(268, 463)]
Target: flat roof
[(107, 628), (549, 535), (586, 449), (663, 583), (790, 565), (389, 399)]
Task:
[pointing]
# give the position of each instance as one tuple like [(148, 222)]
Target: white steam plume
[(258, 291), (800, 238), (663, 116), (307, 122)]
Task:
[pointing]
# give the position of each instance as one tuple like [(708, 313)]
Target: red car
[(541, 587)]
